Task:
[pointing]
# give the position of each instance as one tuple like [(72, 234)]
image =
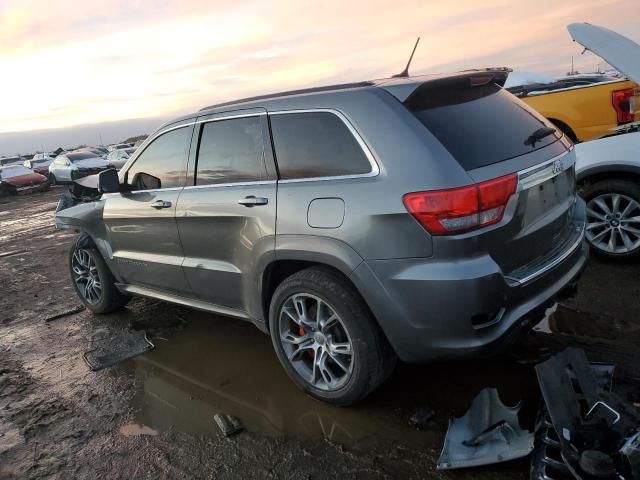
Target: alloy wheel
[(86, 276), (613, 223), (315, 341)]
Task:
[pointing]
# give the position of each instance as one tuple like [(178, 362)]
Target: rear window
[(479, 125), (316, 144)]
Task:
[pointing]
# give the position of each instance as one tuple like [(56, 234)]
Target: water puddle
[(566, 320), (220, 365)]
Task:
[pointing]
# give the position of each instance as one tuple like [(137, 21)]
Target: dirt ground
[(153, 416)]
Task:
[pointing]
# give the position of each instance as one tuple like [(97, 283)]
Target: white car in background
[(71, 166), (117, 158), (608, 168)]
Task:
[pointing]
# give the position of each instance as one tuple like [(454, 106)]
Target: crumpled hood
[(617, 50), (91, 163), (27, 179)]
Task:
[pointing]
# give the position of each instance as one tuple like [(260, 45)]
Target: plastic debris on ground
[(228, 424), (116, 347), (488, 433), (590, 432)]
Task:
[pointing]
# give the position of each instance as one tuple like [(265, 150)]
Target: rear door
[(227, 217), (141, 225)]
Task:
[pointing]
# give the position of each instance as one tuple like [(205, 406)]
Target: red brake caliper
[(302, 332)]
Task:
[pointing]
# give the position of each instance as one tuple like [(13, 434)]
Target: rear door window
[(479, 125), (315, 144), (231, 151)]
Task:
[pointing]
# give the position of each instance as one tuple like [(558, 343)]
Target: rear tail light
[(458, 210), (624, 104)]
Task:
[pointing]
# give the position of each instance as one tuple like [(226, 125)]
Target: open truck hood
[(617, 50)]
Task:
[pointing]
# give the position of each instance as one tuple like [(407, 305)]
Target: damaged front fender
[(78, 205)]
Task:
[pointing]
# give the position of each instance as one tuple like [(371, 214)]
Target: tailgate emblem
[(557, 167)]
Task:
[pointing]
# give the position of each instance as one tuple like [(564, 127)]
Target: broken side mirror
[(145, 181), (108, 181)]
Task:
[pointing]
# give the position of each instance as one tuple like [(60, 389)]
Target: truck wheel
[(327, 339), (613, 218), (93, 281)]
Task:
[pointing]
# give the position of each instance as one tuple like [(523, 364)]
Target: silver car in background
[(117, 158), (416, 218), (73, 165)]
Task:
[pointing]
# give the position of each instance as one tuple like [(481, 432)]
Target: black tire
[(111, 299), (373, 360), (630, 189), (52, 180)]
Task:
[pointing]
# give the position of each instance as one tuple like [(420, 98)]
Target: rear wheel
[(93, 281), (613, 218), (327, 339)]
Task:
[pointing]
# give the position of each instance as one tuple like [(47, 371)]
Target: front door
[(227, 218), (141, 225)]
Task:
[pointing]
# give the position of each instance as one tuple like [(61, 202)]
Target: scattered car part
[(228, 424), (587, 418), (117, 348), (488, 433), (70, 311), (421, 418), (546, 459)]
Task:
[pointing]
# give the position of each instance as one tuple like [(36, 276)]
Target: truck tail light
[(624, 104), (458, 210)]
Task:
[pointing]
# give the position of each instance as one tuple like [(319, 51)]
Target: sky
[(71, 63)]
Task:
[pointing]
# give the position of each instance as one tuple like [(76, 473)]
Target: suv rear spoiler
[(404, 88)]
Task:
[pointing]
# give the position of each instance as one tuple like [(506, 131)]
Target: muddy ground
[(152, 417)]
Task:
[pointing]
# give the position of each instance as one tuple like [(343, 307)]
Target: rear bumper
[(431, 310)]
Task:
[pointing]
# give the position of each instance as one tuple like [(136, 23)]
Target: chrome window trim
[(532, 176), (375, 169), (231, 184), (230, 117)]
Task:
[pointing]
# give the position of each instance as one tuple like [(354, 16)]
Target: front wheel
[(613, 218), (52, 180), (327, 339), (93, 281)]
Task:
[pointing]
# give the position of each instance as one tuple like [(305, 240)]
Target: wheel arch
[(298, 252), (608, 172), (565, 128)]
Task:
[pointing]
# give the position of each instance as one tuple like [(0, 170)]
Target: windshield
[(10, 172), (74, 157)]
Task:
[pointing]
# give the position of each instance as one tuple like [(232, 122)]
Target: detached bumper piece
[(589, 432), (488, 433)]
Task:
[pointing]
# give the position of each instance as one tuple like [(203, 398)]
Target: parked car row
[(62, 168)]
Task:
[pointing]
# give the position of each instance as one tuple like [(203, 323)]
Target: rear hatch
[(492, 134)]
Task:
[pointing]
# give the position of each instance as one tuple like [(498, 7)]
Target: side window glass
[(164, 159), (316, 144), (231, 151)]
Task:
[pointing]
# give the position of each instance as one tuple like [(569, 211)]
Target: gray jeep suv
[(414, 218)]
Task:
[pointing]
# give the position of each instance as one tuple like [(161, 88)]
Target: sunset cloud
[(67, 63)]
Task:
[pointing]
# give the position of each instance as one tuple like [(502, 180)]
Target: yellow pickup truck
[(584, 107)]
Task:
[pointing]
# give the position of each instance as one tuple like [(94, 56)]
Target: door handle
[(158, 204), (252, 201)]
